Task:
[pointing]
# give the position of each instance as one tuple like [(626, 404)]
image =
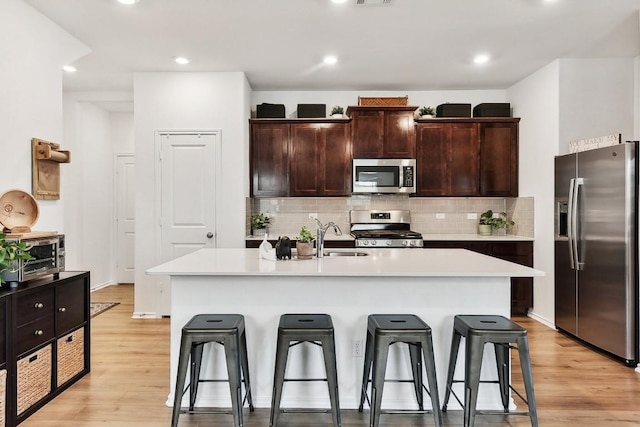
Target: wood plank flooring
[(128, 383)]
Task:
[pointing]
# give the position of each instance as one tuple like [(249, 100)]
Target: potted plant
[(426, 112), (337, 111), (11, 252), (304, 243), (490, 222), (259, 224)]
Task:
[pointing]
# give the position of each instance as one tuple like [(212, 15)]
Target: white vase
[(259, 232), (336, 116)]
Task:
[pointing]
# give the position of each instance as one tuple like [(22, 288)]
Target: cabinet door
[(367, 134), (499, 159), (304, 164), (269, 154), (448, 159), (320, 160), (399, 135), (336, 160), (70, 306)]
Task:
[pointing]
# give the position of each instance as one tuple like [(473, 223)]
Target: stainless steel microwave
[(384, 176)]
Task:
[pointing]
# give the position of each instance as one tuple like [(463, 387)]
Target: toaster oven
[(47, 257)]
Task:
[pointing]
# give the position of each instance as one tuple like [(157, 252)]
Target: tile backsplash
[(447, 215)]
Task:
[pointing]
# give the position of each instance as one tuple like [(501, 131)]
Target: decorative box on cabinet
[(382, 132)]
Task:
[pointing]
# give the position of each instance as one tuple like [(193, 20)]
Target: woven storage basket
[(34, 378), (389, 101), (70, 355), (3, 397)]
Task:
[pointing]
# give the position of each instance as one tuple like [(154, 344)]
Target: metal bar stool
[(315, 329), (383, 330), (227, 330), (502, 332)]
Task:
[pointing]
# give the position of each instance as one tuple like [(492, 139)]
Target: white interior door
[(189, 165), (125, 218)]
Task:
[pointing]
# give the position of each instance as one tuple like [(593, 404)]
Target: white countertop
[(379, 262), (426, 237)]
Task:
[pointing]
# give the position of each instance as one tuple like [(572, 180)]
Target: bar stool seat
[(383, 330), (229, 331), (479, 330), (315, 329)]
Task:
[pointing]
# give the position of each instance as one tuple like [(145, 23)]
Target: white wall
[(291, 99), (187, 101), (93, 135), (536, 100), (596, 99), (33, 50), (566, 100)]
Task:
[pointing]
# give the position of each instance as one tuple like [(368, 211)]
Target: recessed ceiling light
[(330, 60), (181, 60), (481, 59), (128, 2), (338, 1), (69, 68)]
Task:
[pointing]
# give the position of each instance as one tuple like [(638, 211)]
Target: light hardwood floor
[(128, 383)]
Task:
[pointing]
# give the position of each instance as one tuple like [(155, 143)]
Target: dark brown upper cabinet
[(320, 160), (300, 157), (269, 154), (499, 158), (382, 132), (447, 159), (467, 157)]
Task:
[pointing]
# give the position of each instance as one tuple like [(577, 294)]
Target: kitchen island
[(435, 284)]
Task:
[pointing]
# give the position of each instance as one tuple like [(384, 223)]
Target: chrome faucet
[(321, 230)]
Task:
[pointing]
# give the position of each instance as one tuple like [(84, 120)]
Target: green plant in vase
[(11, 253), (491, 222), (259, 224), (304, 243)]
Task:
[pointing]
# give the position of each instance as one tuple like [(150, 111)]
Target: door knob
[(209, 235)]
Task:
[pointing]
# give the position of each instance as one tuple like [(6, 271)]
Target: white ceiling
[(279, 44)]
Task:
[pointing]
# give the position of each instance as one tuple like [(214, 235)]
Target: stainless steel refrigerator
[(596, 266)]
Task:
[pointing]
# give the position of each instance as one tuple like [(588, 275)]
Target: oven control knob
[(405, 243), (413, 243), (389, 242)]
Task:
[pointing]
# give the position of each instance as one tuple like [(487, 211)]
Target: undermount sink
[(344, 253)]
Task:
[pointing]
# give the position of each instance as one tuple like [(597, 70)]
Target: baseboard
[(145, 315), (102, 286), (542, 320)]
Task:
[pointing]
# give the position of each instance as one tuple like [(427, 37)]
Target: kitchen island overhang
[(435, 284)]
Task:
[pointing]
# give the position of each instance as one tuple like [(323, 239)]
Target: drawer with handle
[(33, 334), (34, 305)]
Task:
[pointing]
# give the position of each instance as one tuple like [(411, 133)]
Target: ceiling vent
[(374, 2)]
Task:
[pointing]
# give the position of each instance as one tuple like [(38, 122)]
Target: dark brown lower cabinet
[(44, 342), (517, 252)]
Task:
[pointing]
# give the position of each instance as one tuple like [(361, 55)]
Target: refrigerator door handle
[(577, 217), (571, 230)]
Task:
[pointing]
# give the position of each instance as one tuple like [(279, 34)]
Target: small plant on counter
[(494, 222), (259, 223), (305, 235), (427, 111), (10, 253), (337, 110)]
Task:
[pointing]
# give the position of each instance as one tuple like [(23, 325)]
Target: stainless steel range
[(384, 229)]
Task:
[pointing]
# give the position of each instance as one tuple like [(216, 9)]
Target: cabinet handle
[(38, 332), (38, 305), (62, 309)]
